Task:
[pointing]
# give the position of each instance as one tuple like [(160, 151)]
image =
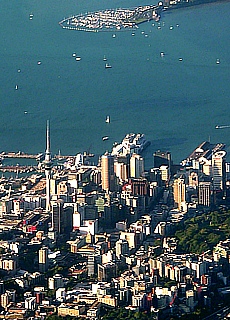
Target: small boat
[(114, 36), (104, 59), (162, 54), (171, 28), (39, 62), (74, 54), (222, 126), (78, 58), (133, 33), (107, 120), (105, 138), (180, 59), (16, 87), (31, 16), (217, 61), (107, 66), (25, 112)]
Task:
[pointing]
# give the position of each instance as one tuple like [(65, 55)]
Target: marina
[(112, 19)]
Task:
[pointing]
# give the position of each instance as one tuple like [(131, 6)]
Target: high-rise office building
[(43, 259), (136, 166), (218, 170), (204, 194), (61, 217), (179, 192), (107, 172)]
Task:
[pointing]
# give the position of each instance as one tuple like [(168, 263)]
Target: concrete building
[(122, 248), (107, 271)]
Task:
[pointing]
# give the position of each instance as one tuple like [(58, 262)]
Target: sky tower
[(48, 166)]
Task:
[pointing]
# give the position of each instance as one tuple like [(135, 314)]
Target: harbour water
[(176, 98)]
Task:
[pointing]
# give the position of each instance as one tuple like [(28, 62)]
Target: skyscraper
[(43, 259), (136, 166), (179, 192), (48, 166), (218, 170), (107, 172), (61, 217), (204, 193)]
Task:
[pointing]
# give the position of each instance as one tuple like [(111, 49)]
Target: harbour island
[(112, 19)]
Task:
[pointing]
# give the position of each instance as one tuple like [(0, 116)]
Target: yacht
[(107, 120), (105, 138), (78, 58), (108, 66), (16, 87), (217, 61)]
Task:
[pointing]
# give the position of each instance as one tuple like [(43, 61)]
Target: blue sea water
[(175, 103)]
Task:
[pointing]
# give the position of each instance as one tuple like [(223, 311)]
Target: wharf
[(19, 154), (18, 169)]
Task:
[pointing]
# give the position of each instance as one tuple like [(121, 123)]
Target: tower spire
[(48, 166), (47, 154)]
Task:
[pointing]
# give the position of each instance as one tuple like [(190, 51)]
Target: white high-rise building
[(136, 166), (218, 170)]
